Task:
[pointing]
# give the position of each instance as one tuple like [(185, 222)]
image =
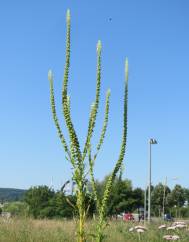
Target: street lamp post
[(151, 142)]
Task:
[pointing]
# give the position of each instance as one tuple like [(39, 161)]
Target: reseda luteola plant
[(77, 156)]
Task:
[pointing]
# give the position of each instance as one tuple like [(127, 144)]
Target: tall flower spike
[(126, 70), (105, 123), (118, 164), (68, 17), (50, 75), (68, 104), (72, 133), (77, 157), (55, 118), (93, 183), (92, 120), (99, 47), (67, 64)]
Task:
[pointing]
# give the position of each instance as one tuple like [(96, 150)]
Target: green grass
[(29, 230)]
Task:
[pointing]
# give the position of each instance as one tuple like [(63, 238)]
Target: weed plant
[(29, 230), (76, 156)]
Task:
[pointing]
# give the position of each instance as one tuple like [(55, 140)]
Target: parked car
[(128, 217), (168, 217)]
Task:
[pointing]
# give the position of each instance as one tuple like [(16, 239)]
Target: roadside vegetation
[(30, 230), (45, 215), (43, 202)]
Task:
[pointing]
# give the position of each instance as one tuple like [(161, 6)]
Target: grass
[(29, 230)]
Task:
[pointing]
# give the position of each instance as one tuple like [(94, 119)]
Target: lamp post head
[(153, 141)]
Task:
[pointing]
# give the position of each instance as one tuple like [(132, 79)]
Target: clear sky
[(154, 35)]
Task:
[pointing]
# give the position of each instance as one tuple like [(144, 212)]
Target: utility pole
[(145, 203), (151, 142), (164, 193)]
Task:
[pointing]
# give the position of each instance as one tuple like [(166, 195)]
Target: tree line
[(45, 202)]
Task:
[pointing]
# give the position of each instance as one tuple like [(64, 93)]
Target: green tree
[(138, 197), (120, 197), (176, 197), (63, 205), (38, 198), (158, 198), (17, 208), (186, 194), (184, 212)]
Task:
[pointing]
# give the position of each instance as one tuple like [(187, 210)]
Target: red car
[(128, 217)]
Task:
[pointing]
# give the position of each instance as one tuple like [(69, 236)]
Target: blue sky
[(152, 34)]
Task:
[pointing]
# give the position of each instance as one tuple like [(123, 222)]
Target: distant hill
[(11, 194)]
